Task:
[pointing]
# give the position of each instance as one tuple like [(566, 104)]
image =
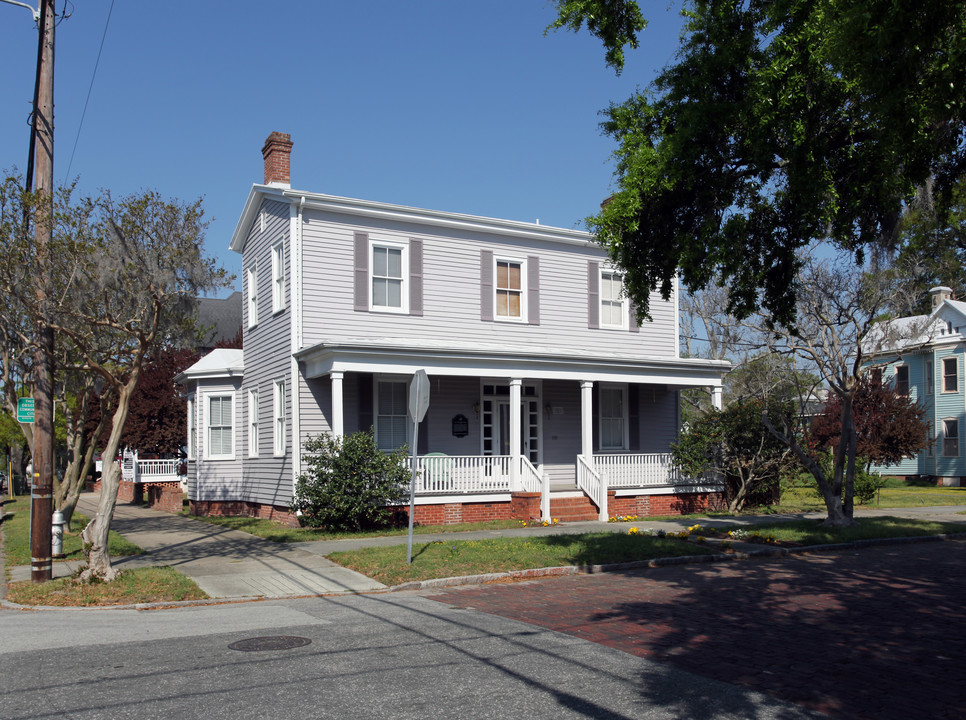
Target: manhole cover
[(273, 642)]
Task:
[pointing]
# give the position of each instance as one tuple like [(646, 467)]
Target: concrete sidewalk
[(230, 564), (225, 563)]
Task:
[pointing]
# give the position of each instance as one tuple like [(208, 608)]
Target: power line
[(89, 90)]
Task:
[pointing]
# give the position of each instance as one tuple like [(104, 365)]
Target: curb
[(765, 552), (534, 573)]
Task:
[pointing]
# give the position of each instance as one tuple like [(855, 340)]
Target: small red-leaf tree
[(888, 426)]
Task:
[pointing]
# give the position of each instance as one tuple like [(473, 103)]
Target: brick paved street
[(872, 633)]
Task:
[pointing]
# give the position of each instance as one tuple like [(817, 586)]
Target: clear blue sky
[(442, 104)]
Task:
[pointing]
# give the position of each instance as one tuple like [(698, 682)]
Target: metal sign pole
[(418, 404)]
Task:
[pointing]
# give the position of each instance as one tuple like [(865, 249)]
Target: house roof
[(221, 362), (406, 355), (403, 213), (915, 331)]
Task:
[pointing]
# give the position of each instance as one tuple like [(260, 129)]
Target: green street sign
[(25, 410)]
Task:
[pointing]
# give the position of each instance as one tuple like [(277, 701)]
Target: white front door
[(496, 428)]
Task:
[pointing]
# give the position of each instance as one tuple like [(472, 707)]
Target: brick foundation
[(522, 506), (165, 496), (650, 505), (240, 508)]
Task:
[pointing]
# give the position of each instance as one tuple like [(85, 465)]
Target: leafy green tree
[(779, 123), (932, 249), (351, 484), (735, 444), (123, 281)]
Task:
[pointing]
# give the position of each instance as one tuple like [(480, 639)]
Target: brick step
[(573, 509)]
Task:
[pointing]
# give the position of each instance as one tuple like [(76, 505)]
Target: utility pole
[(42, 482)]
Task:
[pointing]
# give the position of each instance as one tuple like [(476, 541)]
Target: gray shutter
[(486, 285), (632, 318), (415, 276), (364, 394), (593, 295), (360, 290), (634, 418), (533, 290)]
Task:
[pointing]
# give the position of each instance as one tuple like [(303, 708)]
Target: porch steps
[(572, 507)]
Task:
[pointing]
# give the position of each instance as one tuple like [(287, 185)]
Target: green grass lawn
[(893, 496), (142, 585), (16, 532), (813, 532), (440, 559), (273, 531)]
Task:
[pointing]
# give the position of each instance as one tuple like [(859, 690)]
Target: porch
[(602, 478), (162, 479)]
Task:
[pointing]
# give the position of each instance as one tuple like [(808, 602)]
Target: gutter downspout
[(296, 339)]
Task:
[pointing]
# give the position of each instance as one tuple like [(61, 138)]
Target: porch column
[(338, 411), (516, 385), (717, 394), (586, 418)]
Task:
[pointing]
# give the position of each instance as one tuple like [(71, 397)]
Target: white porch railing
[(462, 474), (640, 470), (135, 470), (593, 485)]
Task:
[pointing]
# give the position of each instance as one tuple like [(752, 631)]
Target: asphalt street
[(396, 655)]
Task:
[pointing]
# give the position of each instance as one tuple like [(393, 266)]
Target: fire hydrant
[(57, 534)]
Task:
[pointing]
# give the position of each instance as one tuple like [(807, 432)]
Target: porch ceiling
[(404, 357)]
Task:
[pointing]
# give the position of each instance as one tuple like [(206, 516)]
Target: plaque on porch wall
[(461, 426)]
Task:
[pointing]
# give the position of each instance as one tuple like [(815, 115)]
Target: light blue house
[(927, 364)]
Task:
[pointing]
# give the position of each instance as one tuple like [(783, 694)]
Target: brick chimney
[(939, 294), (277, 152)]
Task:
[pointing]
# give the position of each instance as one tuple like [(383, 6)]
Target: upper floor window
[(930, 379), (220, 427), (613, 417), (252, 289), (902, 380), (950, 375), (391, 414), (509, 290), (613, 312), (278, 277), (388, 277)]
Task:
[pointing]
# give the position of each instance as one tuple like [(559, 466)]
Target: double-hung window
[(950, 437), (278, 413), (252, 289), (278, 277), (509, 290), (612, 403), (388, 278), (391, 414), (253, 423), (220, 427), (613, 310), (930, 380), (902, 380), (950, 375)]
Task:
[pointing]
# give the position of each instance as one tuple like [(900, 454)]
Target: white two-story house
[(544, 390)]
